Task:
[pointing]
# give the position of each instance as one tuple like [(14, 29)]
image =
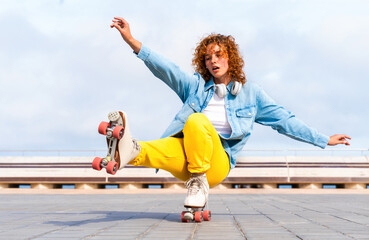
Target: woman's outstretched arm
[(123, 27), (271, 114)]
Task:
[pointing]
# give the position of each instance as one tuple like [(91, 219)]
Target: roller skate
[(196, 199), (121, 147)]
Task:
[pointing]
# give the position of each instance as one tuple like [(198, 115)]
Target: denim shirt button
[(193, 104)]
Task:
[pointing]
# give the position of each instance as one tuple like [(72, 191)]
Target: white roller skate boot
[(196, 199), (121, 147), (198, 191), (128, 148)]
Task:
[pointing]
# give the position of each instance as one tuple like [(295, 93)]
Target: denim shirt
[(251, 105)]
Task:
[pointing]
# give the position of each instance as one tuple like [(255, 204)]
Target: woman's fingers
[(120, 19), (115, 25), (343, 139), (117, 22), (345, 136)]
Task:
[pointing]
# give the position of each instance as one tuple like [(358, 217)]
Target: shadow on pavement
[(116, 216)]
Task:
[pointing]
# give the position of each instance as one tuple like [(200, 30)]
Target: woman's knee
[(196, 120)]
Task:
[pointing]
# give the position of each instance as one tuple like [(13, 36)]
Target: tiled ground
[(157, 216)]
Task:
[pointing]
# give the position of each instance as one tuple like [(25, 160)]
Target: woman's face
[(217, 64)]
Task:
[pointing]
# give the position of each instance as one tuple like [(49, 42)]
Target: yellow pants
[(200, 150)]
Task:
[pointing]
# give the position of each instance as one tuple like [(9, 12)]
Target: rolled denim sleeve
[(164, 69), (271, 114)]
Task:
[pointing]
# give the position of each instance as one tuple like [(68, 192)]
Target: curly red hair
[(229, 49)]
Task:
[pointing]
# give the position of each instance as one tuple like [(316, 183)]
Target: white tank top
[(216, 113)]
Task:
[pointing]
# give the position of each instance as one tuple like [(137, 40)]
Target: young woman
[(219, 109)]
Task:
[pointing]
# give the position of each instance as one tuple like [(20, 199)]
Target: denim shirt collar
[(210, 84)]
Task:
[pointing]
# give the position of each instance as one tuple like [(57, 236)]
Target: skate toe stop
[(113, 116)]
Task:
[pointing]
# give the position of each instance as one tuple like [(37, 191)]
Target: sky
[(63, 69)]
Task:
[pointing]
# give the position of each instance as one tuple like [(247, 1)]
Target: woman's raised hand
[(123, 27)]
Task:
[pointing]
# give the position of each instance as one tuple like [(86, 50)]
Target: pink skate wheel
[(112, 168), (198, 216), (118, 132), (206, 215), (96, 163), (182, 217), (102, 127)]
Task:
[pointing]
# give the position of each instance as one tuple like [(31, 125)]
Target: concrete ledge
[(251, 172)]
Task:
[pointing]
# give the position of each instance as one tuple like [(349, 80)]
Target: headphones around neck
[(221, 89)]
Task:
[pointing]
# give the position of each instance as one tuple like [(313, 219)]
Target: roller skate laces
[(136, 145)]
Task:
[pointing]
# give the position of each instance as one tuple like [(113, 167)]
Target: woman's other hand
[(338, 139)]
